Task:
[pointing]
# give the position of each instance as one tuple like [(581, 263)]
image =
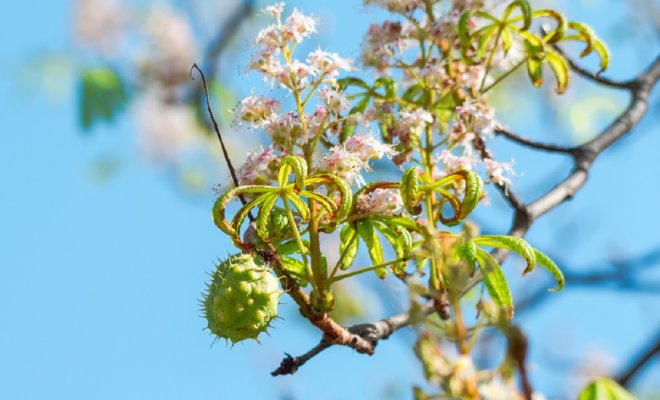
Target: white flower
[(100, 23), (386, 201), (497, 390), (172, 47), (275, 10), (257, 109), (366, 147), (497, 171), (329, 64), (415, 121), (165, 130), (400, 6), (344, 164), (298, 26), (259, 168), (453, 163), (333, 100), (270, 39), (285, 128)]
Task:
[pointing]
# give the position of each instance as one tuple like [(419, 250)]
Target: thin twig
[(500, 130), (216, 127), (626, 376)]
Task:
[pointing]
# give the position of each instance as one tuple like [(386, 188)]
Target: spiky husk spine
[(241, 300)]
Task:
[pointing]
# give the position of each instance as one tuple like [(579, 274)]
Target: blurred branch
[(225, 34), (650, 350), (622, 274), (219, 43)]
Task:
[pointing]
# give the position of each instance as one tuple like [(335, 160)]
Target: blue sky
[(99, 282)]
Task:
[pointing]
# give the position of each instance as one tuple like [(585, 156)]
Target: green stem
[(490, 58), (301, 245), (365, 269), (504, 75), (340, 263)]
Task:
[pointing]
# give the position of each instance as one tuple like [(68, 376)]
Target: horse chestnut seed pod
[(241, 299)]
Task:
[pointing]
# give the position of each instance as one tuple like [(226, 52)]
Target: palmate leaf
[(605, 389), (290, 194), (102, 95), (495, 281)]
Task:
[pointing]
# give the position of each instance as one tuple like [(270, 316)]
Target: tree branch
[(650, 351), (500, 130)]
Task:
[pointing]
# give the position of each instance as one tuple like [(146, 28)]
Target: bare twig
[(500, 130), (650, 351), (216, 127), (622, 275)]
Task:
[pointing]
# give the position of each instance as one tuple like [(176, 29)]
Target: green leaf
[(525, 10), (346, 203), (242, 213), (348, 246), (550, 265), (535, 71), (512, 243), (586, 34), (473, 193), (486, 36), (603, 53), (322, 199), (361, 105), (299, 167), (351, 81), (370, 237), (263, 218), (409, 191), (556, 34), (102, 96), (495, 281), (605, 389), (389, 84), (467, 250), (393, 238), (464, 29), (299, 204), (291, 247), (296, 268), (507, 40), (560, 68)]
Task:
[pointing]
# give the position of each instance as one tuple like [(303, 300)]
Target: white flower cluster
[(382, 201), (350, 159)]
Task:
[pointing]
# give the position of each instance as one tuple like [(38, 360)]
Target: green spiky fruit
[(241, 299)]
